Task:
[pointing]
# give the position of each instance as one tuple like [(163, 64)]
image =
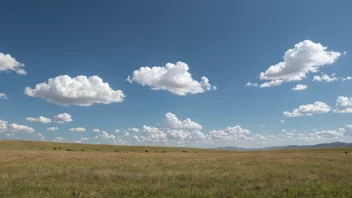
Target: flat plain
[(43, 169)]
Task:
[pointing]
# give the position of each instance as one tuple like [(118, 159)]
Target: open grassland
[(35, 169)]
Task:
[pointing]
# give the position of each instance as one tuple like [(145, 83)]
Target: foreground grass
[(40, 171)]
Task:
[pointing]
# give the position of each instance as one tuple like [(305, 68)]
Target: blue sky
[(228, 42)]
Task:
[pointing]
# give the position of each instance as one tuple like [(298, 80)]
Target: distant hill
[(323, 145)]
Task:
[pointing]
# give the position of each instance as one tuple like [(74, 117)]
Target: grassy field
[(41, 169)]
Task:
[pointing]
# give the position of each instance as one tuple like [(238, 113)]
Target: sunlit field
[(41, 169)]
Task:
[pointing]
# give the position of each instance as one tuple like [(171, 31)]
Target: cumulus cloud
[(304, 58), (346, 78), (58, 139), (331, 134), (300, 87), (309, 110), (235, 133), (81, 91), (154, 134), (96, 130), (343, 105), (249, 84), (52, 128), (273, 83), (3, 96), (62, 118), (171, 136), (325, 78), (8, 63), (105, 136), (174, 78), (117, 131), (133, 129), (3, 125), (85, 138), (173, 122), (40, 119), (78, 129), (42, 138), (21, 128), (282, 121)]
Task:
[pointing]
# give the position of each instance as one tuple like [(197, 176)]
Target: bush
[(82, 149), (54, 148), (146, 151)]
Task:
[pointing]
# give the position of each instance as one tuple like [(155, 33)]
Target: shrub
[(82, 149), (54, 148), (146, 151)]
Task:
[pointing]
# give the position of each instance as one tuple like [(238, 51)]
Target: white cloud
[(117, 131), (300, 87), (235, 133), (249, 84), (3, 125), (62, 118), (304, 58), (96, 130), (329, 134), (58, 139), (347, 78), (133, 129), (105, 136), (258, 137), (81, 91), (154, 134), (85, 138), (8, 63), (170, 136), (325, 78), (343, 105), (52, 128), (40, 119), (309, 110), (272, 83), (282, 121), (42, 138), (3, 96), (173, 122), (21, 128), (78, 129), (174, 78)]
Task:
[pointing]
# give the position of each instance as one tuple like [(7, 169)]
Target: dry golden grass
[(34, 169)]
